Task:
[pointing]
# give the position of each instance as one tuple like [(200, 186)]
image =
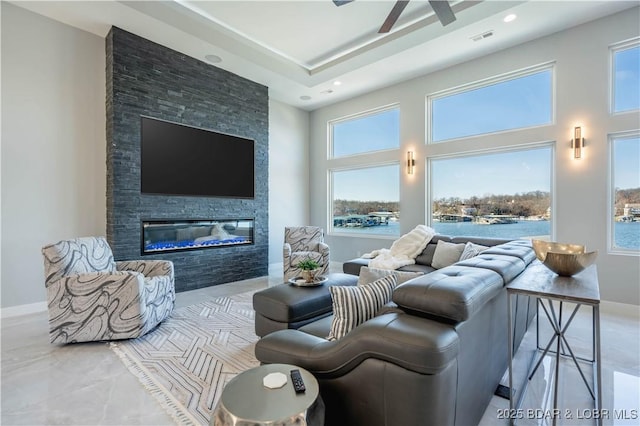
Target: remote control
[(298, 384)]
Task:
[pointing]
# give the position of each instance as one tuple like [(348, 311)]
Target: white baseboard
[(622, 309), (15, 311)]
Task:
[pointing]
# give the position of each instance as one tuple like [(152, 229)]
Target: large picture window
[(625, 178), (626, 77), (513, 102), (500, 195), (366, 200), (374, 131)]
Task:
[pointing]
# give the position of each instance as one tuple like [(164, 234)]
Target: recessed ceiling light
[(510, 17), (305, 97), (327, 92), (214, 59), (337, 83)]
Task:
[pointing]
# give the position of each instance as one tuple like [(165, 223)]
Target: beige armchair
[(91, 297), (304, 242)]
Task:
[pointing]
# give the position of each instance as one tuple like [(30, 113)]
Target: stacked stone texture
[(147, 79)]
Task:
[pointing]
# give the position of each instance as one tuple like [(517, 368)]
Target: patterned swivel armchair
[(304, 242), (91, 297)]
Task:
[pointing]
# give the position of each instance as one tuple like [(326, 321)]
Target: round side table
[(246, 401)]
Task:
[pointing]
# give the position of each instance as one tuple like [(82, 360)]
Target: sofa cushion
[(353, 266), (369, 275), (455, 292), (446, 254), (417, 267), (413, 343), (424, 259), (485, 241), (519, 248), (354, 305), (507, 266)]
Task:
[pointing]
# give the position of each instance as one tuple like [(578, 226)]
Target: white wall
[(581, 187), (288, 173), (53, 144)]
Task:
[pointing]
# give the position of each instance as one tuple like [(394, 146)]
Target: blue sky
[(627, 88), (379, 184), (502, 173), (373, 132), (521, 102), (626, 157)]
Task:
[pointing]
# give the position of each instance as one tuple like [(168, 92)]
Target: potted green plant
[(309, 269)]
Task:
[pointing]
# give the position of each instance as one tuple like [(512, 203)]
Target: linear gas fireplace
[(173, 235)]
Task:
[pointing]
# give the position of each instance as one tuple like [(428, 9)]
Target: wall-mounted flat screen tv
[(182, 160)]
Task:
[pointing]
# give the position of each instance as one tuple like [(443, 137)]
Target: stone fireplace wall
[(144, 78)]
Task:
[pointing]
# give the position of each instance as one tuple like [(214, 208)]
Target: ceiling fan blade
[(341, 2), (443, 11), (393, 16)]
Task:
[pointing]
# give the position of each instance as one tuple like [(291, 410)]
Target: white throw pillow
[(369, 275), (446, 254), (472, 250), (354, 305)]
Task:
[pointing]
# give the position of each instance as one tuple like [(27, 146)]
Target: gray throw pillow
[(354, 305), (472, 250), (446, 254)]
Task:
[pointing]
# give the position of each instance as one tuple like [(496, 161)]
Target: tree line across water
[(534, 203)]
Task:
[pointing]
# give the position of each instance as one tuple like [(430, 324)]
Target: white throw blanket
[(403, 251)]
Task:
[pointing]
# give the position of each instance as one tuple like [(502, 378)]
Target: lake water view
[(627, 234)]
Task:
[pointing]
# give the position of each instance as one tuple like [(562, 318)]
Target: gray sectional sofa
[(434, 359)]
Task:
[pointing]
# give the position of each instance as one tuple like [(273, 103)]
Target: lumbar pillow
[(354, 305), (369, 275), (446, 254), (472, 250)]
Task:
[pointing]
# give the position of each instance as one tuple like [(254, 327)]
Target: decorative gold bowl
[(563, 259)]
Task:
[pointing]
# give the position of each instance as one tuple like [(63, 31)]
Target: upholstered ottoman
[(287, 306)]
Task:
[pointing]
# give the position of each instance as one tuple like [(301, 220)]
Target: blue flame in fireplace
[(173, 245)]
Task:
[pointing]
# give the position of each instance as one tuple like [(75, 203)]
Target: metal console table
[(581, 289)]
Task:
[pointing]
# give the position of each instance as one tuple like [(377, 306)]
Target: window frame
[(552, 145), (500, 78), (611, 248), (330, 196), (362, 114), (613, 49)]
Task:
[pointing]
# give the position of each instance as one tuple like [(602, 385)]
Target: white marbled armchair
[(304, 242), (91, 297)]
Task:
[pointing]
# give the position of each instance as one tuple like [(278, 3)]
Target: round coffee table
[(246, 401)]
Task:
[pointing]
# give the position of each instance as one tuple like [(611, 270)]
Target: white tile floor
[(86, 384)]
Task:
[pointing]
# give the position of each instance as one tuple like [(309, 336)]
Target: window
[(626, 78), (512, 102), (501, 195), (625, 179), (375, 131), (366, 200)]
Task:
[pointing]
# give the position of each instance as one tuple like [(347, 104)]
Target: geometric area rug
[(190, 357)]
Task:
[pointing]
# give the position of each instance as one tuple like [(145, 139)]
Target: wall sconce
[(577, 143), (411, 162)]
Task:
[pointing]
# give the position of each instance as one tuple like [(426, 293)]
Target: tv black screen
[(182, 160)]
